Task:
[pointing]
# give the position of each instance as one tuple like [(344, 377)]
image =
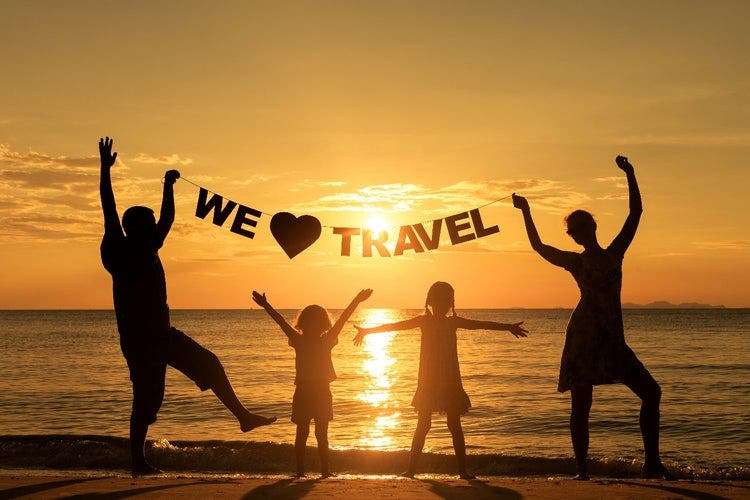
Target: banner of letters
[(296, 234)]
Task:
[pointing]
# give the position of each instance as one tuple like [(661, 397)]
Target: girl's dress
[(595, 351), (439, 387), (312, 398)]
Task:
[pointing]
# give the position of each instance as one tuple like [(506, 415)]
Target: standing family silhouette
[(595, 350)]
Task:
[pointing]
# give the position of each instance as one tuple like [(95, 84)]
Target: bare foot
[(408, 474), (466, 475), (657, 471), (253, 421), (324, 475), (581, 476), (299, 475), (144, 469)]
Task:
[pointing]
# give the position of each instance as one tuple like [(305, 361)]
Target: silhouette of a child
[(439, 387), (313, 338)]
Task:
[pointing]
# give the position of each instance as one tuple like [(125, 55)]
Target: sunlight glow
[(378, 369), (376, 224)]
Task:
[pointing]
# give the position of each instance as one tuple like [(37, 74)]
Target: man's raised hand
[(520, 202), (171, 176), (105, 152)]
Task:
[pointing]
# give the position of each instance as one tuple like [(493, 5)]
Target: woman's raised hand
[(624, 164)]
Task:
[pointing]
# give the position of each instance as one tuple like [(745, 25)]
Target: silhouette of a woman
[(595, 351)]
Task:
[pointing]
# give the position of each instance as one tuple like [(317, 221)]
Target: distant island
[(663, 304)]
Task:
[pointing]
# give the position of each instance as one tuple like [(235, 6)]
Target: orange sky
[(409, 110)]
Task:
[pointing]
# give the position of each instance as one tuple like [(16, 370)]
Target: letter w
[(215, 204)]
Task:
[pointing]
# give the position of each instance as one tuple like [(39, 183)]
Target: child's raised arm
[(471, 324), (260, 299), (335, 330), (406, 324)]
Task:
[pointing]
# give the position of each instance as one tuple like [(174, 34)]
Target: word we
[(415, 237), (242, 217)]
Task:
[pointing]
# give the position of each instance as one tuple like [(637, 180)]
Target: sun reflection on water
[(378, 369)]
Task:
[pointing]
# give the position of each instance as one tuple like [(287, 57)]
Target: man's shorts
[(148, 363)]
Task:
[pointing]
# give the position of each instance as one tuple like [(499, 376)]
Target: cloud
[(47, 197), (399, 198), (624, 196), (616, 180), (258, 178), (168, 160), (722, 245), (34, 170), (33, 158), (309, 183), (36, 226), (666, 255)]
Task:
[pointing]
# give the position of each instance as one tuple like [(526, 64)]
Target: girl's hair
[(313, 319), (579, 219), (439, 289)]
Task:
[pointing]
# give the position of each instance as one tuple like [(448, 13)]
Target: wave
[(92, 452)]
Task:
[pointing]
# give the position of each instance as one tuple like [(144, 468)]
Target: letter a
[(407, 240), (430, 243)]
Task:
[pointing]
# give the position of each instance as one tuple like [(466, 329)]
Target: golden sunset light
[(377, 224), (378, 368), (406, 243), (440, 119)]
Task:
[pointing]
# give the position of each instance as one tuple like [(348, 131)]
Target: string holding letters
[(295, 234)]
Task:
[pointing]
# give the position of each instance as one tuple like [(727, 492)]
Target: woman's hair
[(579, 219), (313, 319), (437, 290)]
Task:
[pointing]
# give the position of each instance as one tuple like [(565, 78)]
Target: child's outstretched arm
[(406, 324), (260, 299), (335, 330), (471, 324)]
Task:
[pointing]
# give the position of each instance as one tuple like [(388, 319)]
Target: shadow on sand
[(284, 488), (131, 492), (677, 490), (32, 489), (474, 488)]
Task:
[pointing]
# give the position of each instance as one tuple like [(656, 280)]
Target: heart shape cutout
[(295, 234)]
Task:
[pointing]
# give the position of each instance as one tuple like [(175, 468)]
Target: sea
[(65, 395)]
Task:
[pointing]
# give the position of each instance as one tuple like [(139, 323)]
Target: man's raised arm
[(111, 218), (166, 214)]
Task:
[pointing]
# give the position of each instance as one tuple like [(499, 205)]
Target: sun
[(377, 224)]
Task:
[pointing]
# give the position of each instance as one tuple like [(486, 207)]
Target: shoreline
[(62, 454), (46, 484)]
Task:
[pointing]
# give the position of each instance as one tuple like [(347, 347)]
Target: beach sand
[(427, 486)]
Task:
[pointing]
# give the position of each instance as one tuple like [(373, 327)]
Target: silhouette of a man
[(147, 339)]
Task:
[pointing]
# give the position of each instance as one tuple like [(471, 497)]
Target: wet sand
[(427, 486)]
